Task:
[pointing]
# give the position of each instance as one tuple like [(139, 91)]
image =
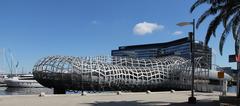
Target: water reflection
[(232, 89), (24, 91)]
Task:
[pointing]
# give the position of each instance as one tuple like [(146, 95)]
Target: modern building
[(179, 47)]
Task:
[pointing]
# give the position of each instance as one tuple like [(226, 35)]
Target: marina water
[(24, 91)]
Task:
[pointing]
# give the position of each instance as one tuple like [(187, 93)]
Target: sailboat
[(21, 80), (3, 77)]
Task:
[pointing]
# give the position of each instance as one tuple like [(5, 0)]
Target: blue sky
[(36, 28)]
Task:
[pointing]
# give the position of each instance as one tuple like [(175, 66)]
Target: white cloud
[(94, 22), (177, 33), (146, 28)]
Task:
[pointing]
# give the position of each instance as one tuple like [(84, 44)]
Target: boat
[(23, 81), (15, 79), (3, 78)]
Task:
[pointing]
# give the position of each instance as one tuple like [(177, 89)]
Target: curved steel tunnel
[(114, 73)]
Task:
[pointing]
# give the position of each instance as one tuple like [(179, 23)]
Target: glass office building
[(179, 47)]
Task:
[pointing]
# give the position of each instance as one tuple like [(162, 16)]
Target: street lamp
[(191, 99)]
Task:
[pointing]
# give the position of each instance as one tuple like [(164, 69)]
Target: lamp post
[(192, 99)]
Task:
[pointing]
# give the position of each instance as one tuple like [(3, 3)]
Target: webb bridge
[(108, 73)]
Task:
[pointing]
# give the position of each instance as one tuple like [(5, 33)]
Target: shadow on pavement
[(157, 103)]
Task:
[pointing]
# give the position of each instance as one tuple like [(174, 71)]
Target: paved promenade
[(179, 98)]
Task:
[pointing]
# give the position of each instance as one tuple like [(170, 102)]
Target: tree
[(226, 12)]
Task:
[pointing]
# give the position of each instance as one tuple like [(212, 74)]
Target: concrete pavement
[(179, 98)]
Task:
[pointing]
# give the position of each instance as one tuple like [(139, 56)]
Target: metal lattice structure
[(116, 73)]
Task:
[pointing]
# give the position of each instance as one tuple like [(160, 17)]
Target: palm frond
[(212, 28), (230, 10), (235, 25), (226, 12), (210, 11), (225, 33), (196, 4), (237, 42)]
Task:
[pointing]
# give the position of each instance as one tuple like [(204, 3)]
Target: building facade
[(179, 47)]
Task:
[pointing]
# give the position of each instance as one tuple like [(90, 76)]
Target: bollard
[(42, 94), (119, 92), (148, 92), (224, 90), (172, 91), (84, 93)]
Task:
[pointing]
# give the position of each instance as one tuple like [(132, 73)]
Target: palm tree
[(226, 12)]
